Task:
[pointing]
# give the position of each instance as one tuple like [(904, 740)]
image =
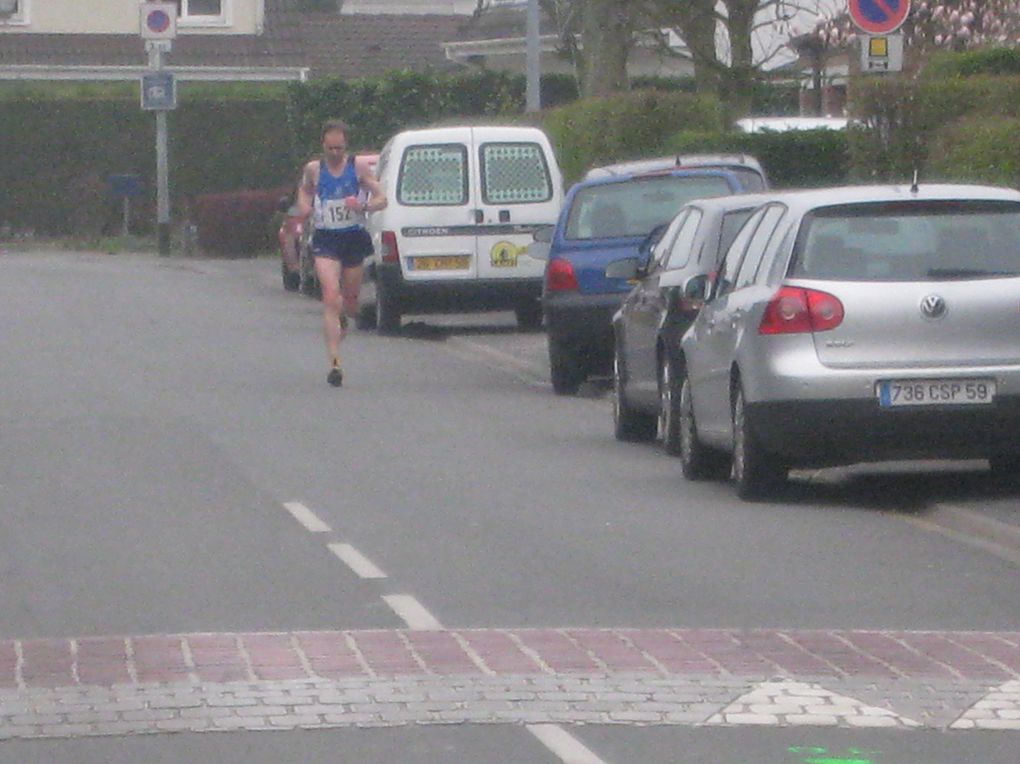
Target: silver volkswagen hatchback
[(857, 324)]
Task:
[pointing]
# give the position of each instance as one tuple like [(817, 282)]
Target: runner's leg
[(350, 288), (328, 272)]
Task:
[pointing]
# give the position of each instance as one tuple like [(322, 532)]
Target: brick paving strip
[(291, 680)]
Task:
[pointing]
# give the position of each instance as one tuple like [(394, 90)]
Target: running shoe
[(335, 376)]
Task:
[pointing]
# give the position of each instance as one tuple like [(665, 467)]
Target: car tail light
[(793, 310), (388, 245), (560, 276)]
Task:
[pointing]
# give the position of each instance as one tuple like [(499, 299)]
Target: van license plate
[(935, 392), (441, 263)]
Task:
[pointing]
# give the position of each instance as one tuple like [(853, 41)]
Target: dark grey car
[(858, 324), (648, 326)]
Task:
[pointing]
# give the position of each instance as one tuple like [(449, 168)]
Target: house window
[(200, 10), (11, 10)]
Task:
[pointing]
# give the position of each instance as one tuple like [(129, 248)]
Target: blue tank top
[(330, 212)]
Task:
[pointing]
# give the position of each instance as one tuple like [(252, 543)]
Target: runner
[(338, 191)]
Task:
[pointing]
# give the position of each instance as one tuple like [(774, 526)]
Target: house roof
[(328, 44)]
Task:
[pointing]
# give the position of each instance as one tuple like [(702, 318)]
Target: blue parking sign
[(159, 91)]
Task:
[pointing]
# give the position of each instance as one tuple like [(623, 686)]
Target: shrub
[(598, 131), (998, 61), (901, 117), (979, 149), (237, 223), (794, 159)]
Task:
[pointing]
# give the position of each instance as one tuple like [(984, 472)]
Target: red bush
[(237, 223)]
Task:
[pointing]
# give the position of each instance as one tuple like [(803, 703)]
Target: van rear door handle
[(479, 216)]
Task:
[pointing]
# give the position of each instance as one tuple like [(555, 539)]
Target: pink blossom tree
[(945, 25)]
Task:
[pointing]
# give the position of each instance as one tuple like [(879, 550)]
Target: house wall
[(412, 7), (639, 64), (122, 17)]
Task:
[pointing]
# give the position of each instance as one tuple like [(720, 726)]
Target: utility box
[(125, 186)]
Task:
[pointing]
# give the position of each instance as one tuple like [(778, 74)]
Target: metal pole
[(533, 52), (162, 186), (162, 175)]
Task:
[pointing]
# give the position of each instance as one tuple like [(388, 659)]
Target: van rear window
[(433, 175), (514, 173)]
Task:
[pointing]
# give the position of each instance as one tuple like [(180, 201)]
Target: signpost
[(881, 50), (882, 54), (158, 26)]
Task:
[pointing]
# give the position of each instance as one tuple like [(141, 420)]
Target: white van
[(463, 205)]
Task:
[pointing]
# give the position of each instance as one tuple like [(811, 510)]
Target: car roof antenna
[(913, 185)]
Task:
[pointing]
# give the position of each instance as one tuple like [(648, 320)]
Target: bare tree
[(598, 37), (728, 42), (731, 43)]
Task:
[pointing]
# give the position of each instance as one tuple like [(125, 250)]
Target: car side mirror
[(628, 269), (695, 292), (653, 237), (539, 250), (541, 244)]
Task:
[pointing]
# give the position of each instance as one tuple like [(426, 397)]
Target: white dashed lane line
[(356, 561), (565, 746), (560, 743), (306, 517), (412, 612)]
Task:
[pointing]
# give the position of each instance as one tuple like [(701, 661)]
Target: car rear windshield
[(750, 179), (910, 241), (635, 207)]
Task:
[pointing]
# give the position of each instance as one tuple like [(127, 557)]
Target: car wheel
[(529, 315), (756, 473), (697, 461), (291, 280), (387, 310), (628, 424), (1005, 466), (565, 369), (308, 284), (669, 407), (365, 318)]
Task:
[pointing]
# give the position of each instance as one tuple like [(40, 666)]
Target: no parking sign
[(879, 16), (158, 21)]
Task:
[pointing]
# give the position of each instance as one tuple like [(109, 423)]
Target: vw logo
[(933, 307)]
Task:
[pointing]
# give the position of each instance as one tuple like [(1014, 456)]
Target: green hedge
[(997, 61), (630, 125), (978, 148), (60, 152), (222, 137), (794, 159), (377, 108), (902, 118)]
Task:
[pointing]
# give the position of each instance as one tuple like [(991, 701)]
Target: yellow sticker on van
[(504, 254)]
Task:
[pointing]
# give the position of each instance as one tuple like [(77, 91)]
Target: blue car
[(604, 220)]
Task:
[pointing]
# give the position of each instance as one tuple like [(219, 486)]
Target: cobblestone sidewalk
[(207, 682)]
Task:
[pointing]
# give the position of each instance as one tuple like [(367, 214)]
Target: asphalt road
[(172, 462)]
